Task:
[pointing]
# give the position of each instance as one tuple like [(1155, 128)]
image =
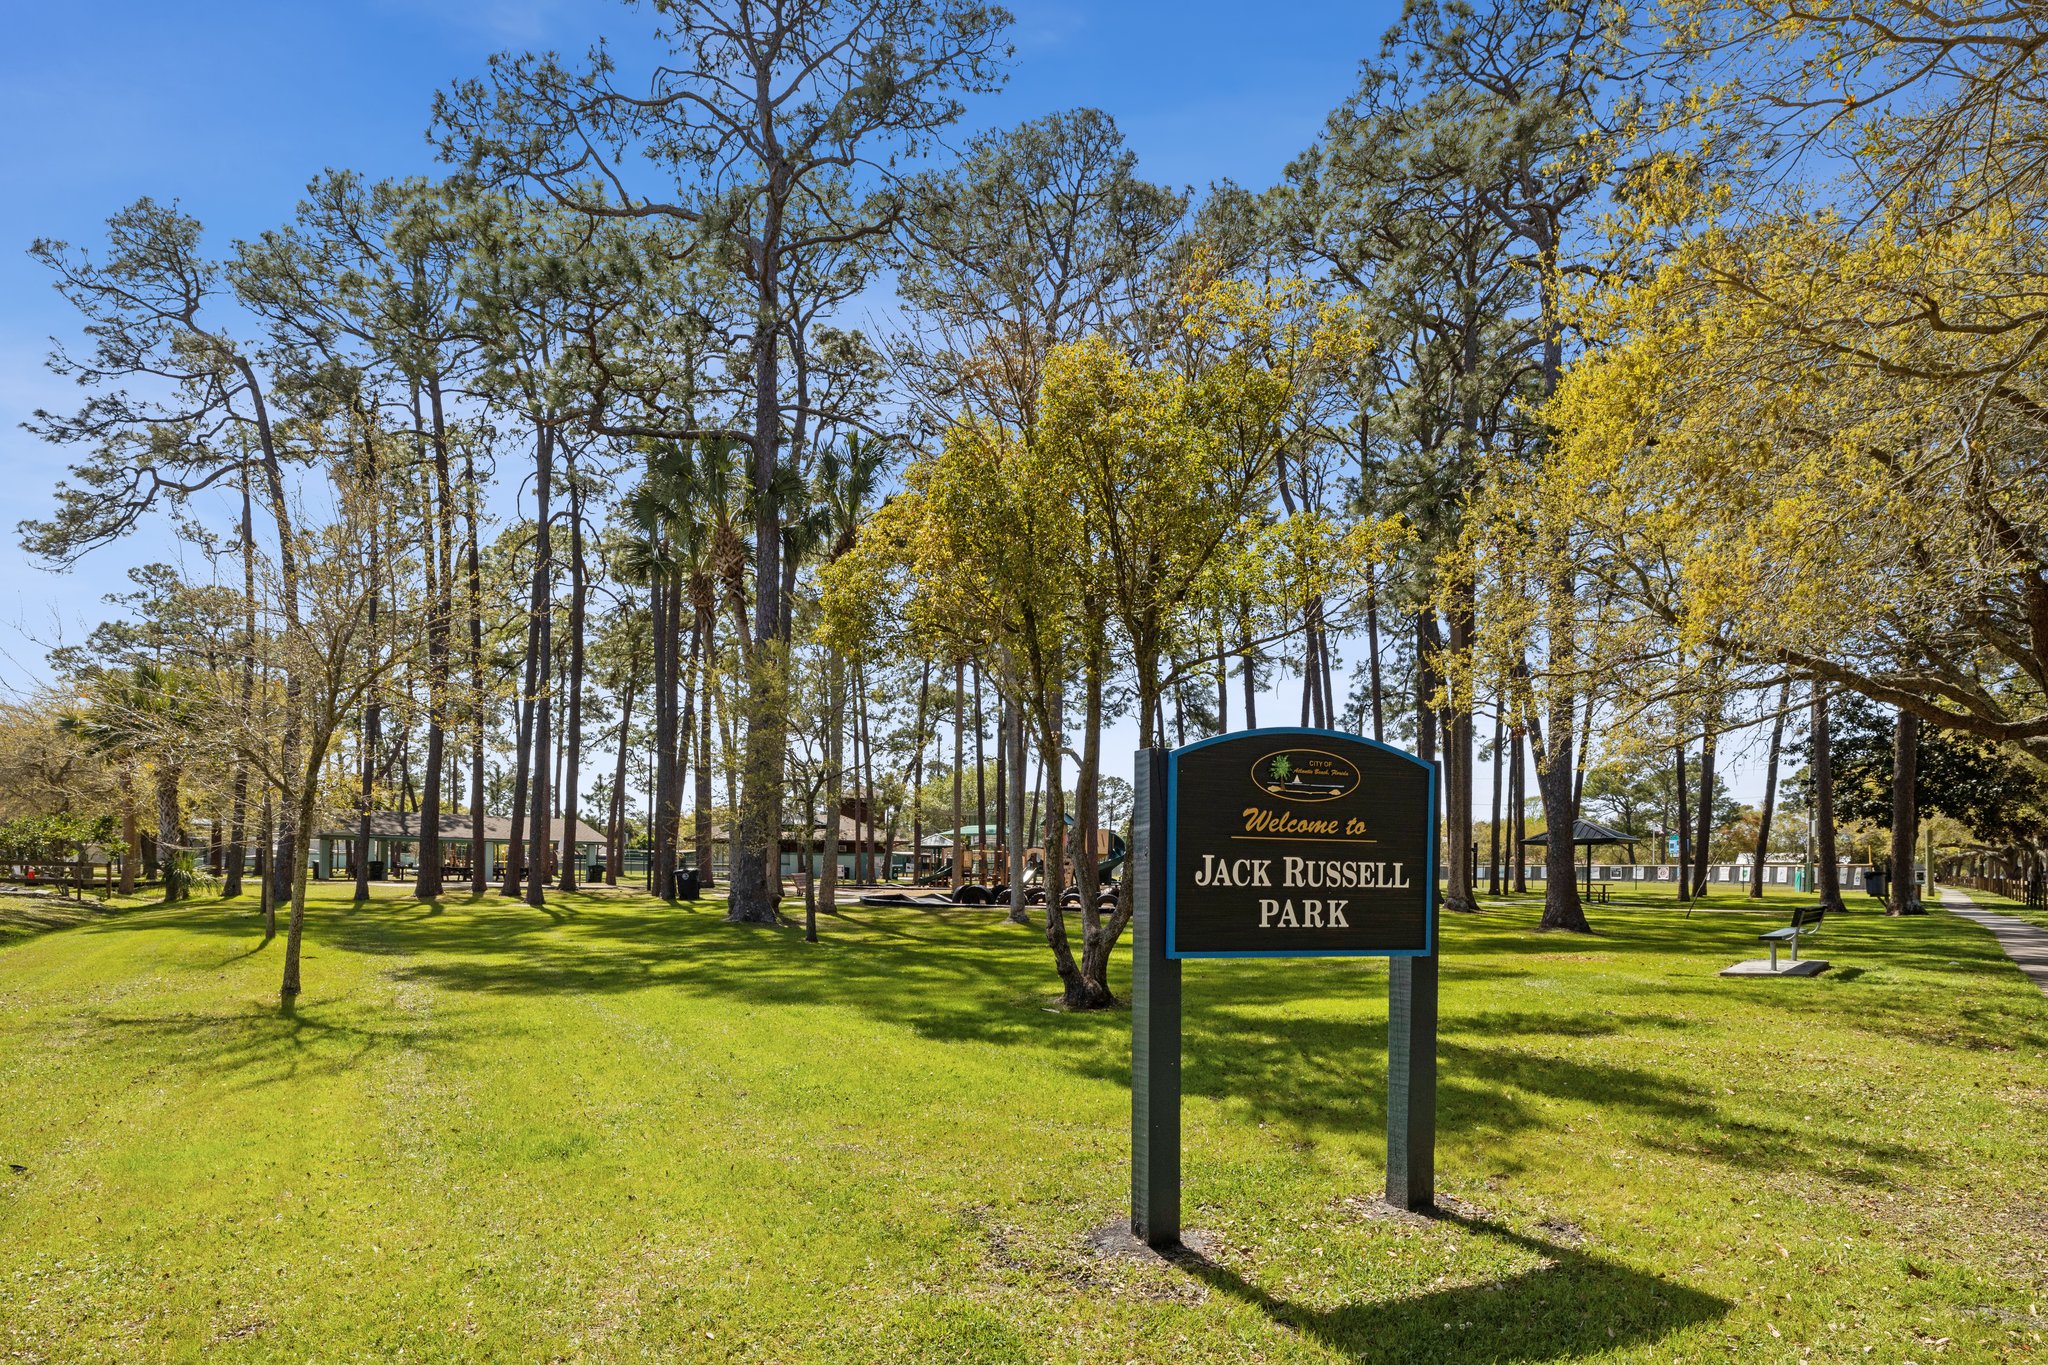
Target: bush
[(182, 877)]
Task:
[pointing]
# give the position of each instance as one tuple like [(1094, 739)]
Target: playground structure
[(984, 878)]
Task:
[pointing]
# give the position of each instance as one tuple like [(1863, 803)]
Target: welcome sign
[(1281, 843), (1299, 843)]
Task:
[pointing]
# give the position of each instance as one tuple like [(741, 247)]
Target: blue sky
[(231, 107)]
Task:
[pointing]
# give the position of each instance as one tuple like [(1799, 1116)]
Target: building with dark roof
[(394, 842)]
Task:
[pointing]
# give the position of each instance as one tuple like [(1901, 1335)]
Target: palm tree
[(685, 514)]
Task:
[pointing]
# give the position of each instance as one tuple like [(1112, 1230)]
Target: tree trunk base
[(1091, 997)]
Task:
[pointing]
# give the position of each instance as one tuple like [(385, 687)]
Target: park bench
[(1805, 920)]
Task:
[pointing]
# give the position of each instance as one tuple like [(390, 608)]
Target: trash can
[(595, 873), (376, 872), (688, 888)]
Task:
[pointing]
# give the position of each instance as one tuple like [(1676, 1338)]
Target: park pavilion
[(395, 836)]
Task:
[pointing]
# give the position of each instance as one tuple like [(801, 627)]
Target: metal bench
[(1805, 920)]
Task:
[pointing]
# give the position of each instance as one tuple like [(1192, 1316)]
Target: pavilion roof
[(391, 824), (1589, 832), (850, 831)]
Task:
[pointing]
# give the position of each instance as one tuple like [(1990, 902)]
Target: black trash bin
[(688, 888), (376, 872)]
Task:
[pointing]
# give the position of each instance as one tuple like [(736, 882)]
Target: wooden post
[(1411, 1083), (1411, 1076), (1155, 1019)]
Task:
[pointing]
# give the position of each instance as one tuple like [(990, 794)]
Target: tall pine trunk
[(686, 737), (1078, 992), (522, 765), (835, 779), (1684, 872), (1014, 834), (1905, 898), (372, 725), (758, 827), (1821, 792), (1372, 653), (1555, 769), (281, 835), (1426, 717), (1519, 816), (1770, 806), (959, 773), (265, 857), (703, 670), (664, 606), (1088, 789), (615, 818), (1462, 613), (879, 863), (924, 687), (579, 585), (1249, 671), (1702, 848), (980, 787), (1493, 886), (999, 865), (238, 811), (440, 558)]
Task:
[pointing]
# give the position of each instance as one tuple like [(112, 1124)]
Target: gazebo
[(1586, 833)]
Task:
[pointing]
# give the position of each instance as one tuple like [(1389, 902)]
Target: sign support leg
[(1155, 1020), (1411, 1083)]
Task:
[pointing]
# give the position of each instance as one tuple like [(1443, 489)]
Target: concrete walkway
[(2024, 943)]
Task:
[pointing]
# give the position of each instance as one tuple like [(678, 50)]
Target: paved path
[(2024, 943)]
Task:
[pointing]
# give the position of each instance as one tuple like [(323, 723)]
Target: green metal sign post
[(1155, 1019), (1281, 843)]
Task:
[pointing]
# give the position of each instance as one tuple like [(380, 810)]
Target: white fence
[(1723, 874)]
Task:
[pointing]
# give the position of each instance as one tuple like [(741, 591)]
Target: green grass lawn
[(2007, 905), (619, 1130), (25, 916)]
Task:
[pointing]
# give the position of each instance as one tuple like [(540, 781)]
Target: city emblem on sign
[(1306, 775)]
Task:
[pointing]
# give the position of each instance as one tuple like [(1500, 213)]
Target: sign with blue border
[(1299, 843)]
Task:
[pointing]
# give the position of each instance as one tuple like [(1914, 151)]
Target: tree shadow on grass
[(250, 1049), (1302, 1044), (26, 917), (1571, 1303), (258, 946), (1304, 1054)]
